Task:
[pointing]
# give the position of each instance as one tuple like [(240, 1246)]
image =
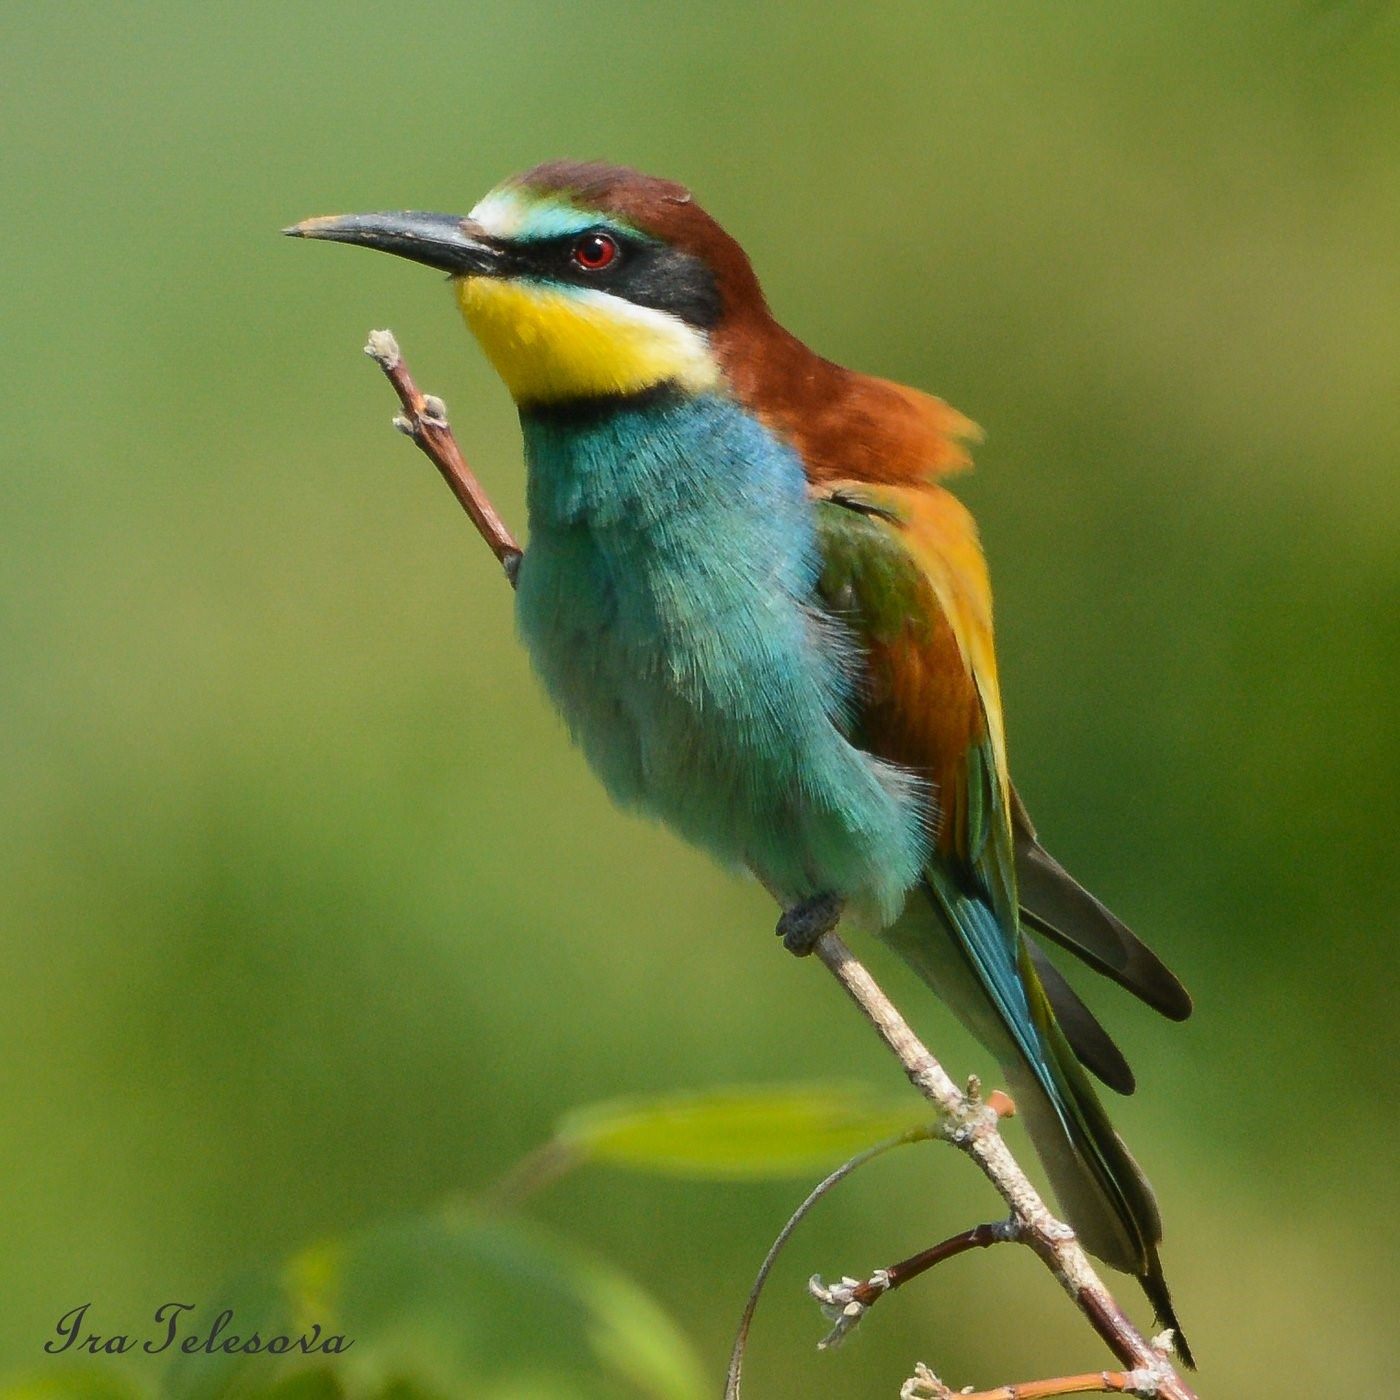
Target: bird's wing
[(901, 567), (903, 570)]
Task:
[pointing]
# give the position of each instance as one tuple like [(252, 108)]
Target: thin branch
[(425, 421), (736, 1355), (972, 1125), (979, 1237), (847, 1302), (967, 1121), (924, 1385), (541, 1167)]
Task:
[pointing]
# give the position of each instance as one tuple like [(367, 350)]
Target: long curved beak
[(444, 241)]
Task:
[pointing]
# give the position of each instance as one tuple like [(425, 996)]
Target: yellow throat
[(550, 343)]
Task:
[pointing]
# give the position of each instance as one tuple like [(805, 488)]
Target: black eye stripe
[(553, 257), (644, 272)]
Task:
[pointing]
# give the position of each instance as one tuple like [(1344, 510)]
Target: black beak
[(443, 241)]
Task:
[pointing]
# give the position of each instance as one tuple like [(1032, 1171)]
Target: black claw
[(804, 923)]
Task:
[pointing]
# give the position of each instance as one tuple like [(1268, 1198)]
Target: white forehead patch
[(513, 212)]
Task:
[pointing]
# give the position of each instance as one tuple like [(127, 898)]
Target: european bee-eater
[(767, 623)]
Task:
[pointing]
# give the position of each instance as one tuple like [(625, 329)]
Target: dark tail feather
[(1100, 1186), (956, 943), (1159, 1295), (1056, 905), (1093, 1045)]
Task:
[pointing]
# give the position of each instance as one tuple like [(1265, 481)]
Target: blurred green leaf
[(768, 1131), (447, 1305)]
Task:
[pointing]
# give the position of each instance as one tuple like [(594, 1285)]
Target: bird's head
[(581, 281)]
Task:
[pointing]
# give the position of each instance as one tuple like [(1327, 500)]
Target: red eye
[(595, 251)]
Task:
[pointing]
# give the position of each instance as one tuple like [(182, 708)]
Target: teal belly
[(666, 601)]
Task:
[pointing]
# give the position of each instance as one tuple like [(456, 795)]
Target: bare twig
[(972, 1125), (966, 1120), (425, 421), (924, 1385), (736, 1356), (847, 1302)]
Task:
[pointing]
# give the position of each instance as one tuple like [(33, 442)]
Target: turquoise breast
[(666, 599)]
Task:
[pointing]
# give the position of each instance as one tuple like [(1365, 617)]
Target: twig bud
[(383, 348)]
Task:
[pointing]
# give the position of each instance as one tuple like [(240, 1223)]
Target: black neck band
[(581, 411)]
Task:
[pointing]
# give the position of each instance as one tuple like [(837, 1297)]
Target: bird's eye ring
[(594, 251)]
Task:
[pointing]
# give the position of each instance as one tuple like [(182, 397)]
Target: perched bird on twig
[(768, 623)]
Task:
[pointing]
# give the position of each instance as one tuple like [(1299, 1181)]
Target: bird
[(767, 622)]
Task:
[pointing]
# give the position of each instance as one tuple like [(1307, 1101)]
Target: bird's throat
[(553, 344)]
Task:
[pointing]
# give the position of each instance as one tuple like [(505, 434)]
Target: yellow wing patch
[(550, 344), (941, 535)]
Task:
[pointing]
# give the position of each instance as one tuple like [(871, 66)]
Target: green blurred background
[(310, 913)]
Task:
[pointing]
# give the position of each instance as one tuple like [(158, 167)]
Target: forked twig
[(965, 1119), (972, 1125)]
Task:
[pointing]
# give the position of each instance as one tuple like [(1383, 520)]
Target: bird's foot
[(805, 922)]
